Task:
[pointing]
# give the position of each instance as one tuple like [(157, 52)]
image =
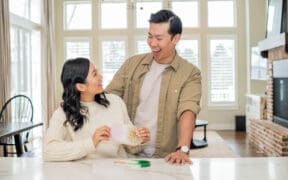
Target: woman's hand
[(144, 134), (101, 133)]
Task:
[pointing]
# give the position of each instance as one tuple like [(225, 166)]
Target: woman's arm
[(58, 144)]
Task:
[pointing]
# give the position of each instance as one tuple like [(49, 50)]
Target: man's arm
[(186, 127), (188, 107)]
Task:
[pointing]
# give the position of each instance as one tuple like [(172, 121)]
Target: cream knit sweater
[(62, 143)]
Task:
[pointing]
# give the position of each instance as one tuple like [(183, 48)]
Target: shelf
[(273, 42)]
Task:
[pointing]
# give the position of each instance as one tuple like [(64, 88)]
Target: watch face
[(184, 149)]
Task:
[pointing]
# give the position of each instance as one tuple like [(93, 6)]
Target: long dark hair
[(76, 71)]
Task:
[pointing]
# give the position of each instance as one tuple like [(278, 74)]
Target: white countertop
[(272, 168)]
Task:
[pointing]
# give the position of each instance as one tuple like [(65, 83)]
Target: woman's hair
[(76, 71), (163, 16)]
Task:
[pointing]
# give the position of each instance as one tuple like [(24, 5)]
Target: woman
[(80, 127)]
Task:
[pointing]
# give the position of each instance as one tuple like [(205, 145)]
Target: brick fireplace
[(269, 137)]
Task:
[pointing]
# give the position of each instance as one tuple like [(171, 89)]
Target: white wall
[(256, 30)]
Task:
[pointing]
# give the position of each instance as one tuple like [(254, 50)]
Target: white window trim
[(23, 23)]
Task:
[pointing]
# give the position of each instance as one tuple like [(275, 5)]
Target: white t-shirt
[(147, 110)]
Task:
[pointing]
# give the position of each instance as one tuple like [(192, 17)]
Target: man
[(162, 91)]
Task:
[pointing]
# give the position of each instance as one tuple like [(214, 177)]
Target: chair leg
[(25, 148), (5, 152)]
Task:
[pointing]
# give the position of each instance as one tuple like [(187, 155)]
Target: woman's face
[(93, 81)]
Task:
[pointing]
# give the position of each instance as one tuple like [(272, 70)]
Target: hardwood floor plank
[(238, 142)]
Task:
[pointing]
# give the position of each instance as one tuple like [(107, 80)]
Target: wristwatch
[(184, 149)]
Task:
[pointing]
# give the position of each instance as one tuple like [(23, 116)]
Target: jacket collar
[(174, 65)]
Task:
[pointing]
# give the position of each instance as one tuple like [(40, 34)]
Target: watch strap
[(179, 148)]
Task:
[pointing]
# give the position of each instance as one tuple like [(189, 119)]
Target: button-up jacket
[(180, 91)]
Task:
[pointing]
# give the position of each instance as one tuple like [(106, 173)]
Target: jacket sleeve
[(58, 144), (191, 94), (117, 85)]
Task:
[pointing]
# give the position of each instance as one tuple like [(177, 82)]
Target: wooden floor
[(238, 142)]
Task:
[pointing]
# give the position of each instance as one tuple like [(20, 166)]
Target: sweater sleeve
[(58, 144), (127, 121)]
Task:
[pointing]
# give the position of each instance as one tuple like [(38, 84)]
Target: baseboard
[(221, 127)]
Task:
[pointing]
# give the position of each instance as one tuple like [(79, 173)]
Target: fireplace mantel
[(273, 42)]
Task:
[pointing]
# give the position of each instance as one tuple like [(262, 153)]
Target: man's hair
[(163, 16)]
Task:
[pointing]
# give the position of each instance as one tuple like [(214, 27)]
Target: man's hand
[(178, 157)]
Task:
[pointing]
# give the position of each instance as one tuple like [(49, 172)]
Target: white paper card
[(123, 134)]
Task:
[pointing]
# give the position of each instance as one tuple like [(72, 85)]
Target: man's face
[(161, 44)]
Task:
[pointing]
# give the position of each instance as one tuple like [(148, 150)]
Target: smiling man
[(162, 91)]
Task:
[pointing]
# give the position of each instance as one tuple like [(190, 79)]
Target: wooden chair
[(19, 108)]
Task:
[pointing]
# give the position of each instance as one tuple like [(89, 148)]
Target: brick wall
[(270, 137)]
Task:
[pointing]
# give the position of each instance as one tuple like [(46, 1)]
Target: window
[(222, 71), (78, 15), (188, 49), (142, 46), (25, 41), (77, 48), (118, 29), (221, 13), (28, 9), (187, 11), (113, 15), (143, 12), (113, 57)]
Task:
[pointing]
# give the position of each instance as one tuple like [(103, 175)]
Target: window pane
[(188, 12), (222, 71), (77, 15), (113, 15), (20, 8), (36, 11), (20, 62), (188, 49), (142, 47), (77, 49), (143, 12), (221, 13), (28, 9), (113, 56), (24, 80)]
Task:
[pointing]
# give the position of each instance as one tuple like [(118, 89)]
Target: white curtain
[(48, 62), (4, 52)]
